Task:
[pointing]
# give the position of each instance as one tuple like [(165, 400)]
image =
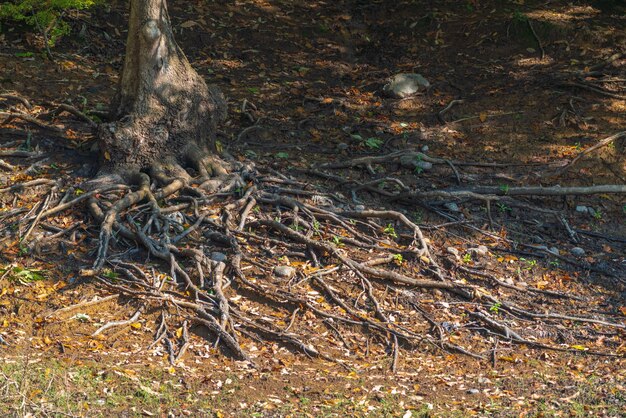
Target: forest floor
[(303, 81)]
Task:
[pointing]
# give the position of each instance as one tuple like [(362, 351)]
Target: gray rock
[(473, 391), (509, 281), (359, 208), (452, 207), (453, 251), (425, 148), (217, 256), (480, 250), (284, 272), (413, 161), (582, 209), (405, 85), (342, 146), (554, 250), (577, 251)]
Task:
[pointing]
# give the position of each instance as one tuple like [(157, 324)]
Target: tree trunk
[(163, 113)]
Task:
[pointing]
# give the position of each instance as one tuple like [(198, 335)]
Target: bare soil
[(303, 83)]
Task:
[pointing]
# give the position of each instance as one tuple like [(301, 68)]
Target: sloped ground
[(303, 82)]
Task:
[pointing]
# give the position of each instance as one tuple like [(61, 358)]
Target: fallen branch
[(606, 141), (123, 323), (492, 192), (10, 96), (30, 119)]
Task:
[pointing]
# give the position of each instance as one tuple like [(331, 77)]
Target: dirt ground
[(303, 81)]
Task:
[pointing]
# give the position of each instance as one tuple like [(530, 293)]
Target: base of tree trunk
[(164, 115)]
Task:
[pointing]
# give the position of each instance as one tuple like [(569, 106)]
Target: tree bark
[(163, 113)]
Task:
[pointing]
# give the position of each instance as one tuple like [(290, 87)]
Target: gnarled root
[(350, 270)]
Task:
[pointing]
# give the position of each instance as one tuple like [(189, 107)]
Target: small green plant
[(554, 264), (336, 240), (597, 215), (502, 208), (23, 250), (519, 17), (398, 259), (529, 263), (44, 16), (316, 227), (418, 167), (391, 231), (495, 308), (467, 258), (371, 142), (110, 274), (297, 227), (282, 155), (23, 275), (504, 188)]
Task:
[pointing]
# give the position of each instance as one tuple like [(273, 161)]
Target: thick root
[(374, 254)]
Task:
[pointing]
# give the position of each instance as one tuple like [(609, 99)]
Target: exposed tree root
[(366, 276), (353, 269)]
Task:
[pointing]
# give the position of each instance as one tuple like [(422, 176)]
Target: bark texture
[(164, 114)]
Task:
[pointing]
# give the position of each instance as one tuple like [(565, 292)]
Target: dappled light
[(312, 208)]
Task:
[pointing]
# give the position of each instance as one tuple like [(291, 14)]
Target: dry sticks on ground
[(353, 268), (359, 274)]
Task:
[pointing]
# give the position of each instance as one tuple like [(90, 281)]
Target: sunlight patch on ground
[(570, 14), (534, 61)]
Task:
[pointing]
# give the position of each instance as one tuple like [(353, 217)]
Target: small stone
[(217, 256), (437, 292), (509, 281), (405, 85), (554, 250), (424, 165), (582, 209), (413, 161), (473, 391), (342, 146), (284, 272), (359, 208), (577, 251), (522, 284), (480, 250), (452, 207), (484, 380), (453, 251), (425, 148)]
